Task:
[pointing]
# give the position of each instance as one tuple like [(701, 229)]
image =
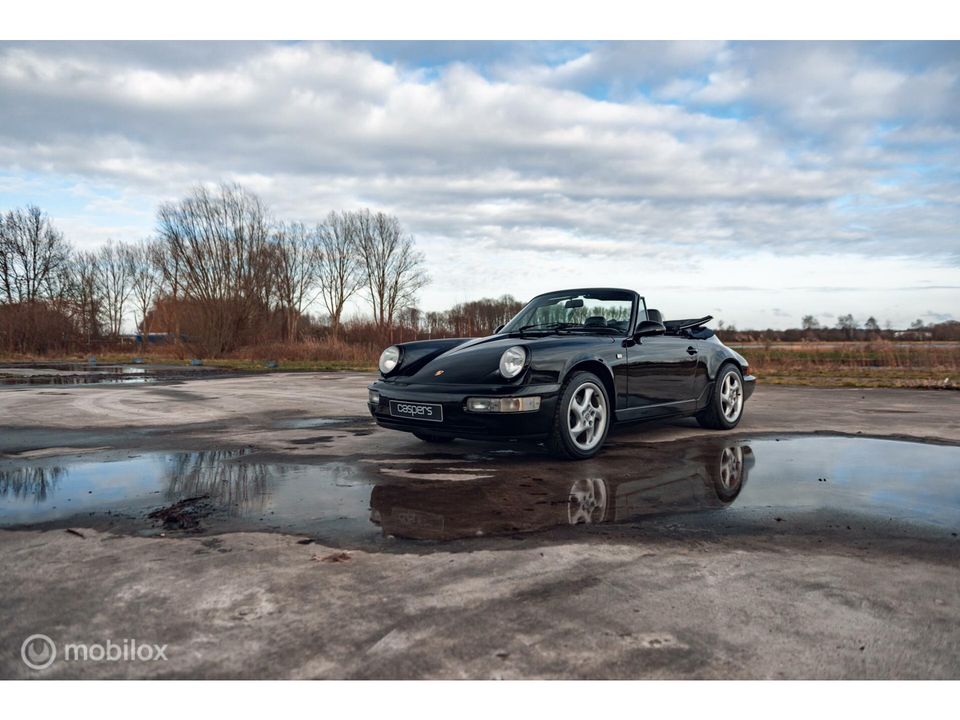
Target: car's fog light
[(373, 397), (503, 405)]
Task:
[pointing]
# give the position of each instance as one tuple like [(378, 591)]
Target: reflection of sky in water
[(880, 478), (73, 374), (876, 477), (44, 490), (307, 423)]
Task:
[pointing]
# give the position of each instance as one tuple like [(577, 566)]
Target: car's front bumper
[(457, 420), (749, 385)]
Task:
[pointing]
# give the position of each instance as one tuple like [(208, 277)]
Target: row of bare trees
[(219, 253), (220, 272), (472, 319), (50, 293)]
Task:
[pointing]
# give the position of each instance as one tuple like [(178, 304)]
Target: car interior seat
[(654, 315), (595, 321)]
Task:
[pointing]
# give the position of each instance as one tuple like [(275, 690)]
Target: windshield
[(597, 311)]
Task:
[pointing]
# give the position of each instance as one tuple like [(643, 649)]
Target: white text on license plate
[(416, 411)]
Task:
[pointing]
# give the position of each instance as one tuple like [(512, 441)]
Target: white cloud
[(634, 155)]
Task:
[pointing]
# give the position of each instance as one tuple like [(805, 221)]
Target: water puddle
[(800, 483), (92, 374), (319, 422)]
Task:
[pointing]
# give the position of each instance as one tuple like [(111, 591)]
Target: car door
[(660, 374)]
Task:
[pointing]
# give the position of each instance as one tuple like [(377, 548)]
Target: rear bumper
[(457, 421)]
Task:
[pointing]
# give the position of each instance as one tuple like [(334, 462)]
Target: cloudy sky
[(757, 182)]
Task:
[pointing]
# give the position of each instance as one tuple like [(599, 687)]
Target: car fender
[(599, 366), (719, 355)]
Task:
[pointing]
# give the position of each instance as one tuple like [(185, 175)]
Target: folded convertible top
[(693, 328), (687, 324)]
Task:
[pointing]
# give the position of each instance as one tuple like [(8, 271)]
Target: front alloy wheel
[(587, 416), (582, 419)]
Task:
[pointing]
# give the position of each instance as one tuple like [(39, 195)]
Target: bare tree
[(394, 269), (218, 258), (475, 318), (88, 304), (145, 281), (809, 322), (341, 271), (115, 282), (34, 255), (297, 272), (848, 324), (6, 264)]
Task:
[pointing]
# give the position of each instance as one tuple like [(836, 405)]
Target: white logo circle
[(38, 652)]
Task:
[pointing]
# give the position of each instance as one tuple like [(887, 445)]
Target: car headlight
[(389, 359), (512, 361)]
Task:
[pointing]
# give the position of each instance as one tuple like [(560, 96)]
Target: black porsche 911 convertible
[(566, 367)]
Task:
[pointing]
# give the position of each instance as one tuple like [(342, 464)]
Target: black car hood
[(478, 361)]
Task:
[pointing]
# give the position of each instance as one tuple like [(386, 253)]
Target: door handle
[(691, 350)]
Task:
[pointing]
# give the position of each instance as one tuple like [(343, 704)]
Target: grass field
[(239, 364), (933, 365)]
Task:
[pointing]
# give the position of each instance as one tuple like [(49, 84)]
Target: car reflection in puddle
[(701, 478), (806, 484)]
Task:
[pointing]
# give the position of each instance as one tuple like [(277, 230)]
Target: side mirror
[(499, 328), (645, 328)]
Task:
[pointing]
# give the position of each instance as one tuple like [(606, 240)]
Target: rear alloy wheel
[(582, 419), (431, 438), (726, 402)]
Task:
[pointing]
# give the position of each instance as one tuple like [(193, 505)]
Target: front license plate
[(416, 411)]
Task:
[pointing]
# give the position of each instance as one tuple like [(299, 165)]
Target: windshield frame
[(637, 303)]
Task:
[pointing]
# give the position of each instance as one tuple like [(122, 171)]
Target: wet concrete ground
[(263, 527)]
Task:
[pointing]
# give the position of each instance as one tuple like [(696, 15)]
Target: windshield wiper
[(596, 328), (547, 326), (568, 327)]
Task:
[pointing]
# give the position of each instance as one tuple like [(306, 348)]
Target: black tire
[(714, 416), (560, 443), (431, 438)]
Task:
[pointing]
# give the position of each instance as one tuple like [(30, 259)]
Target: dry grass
[(311, 355), (327, 350), (934, 365), (857, 364)]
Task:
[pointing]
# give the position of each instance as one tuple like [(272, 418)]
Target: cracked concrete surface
[(625, 601)]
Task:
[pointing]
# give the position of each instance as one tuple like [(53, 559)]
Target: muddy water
[(807, 484)]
